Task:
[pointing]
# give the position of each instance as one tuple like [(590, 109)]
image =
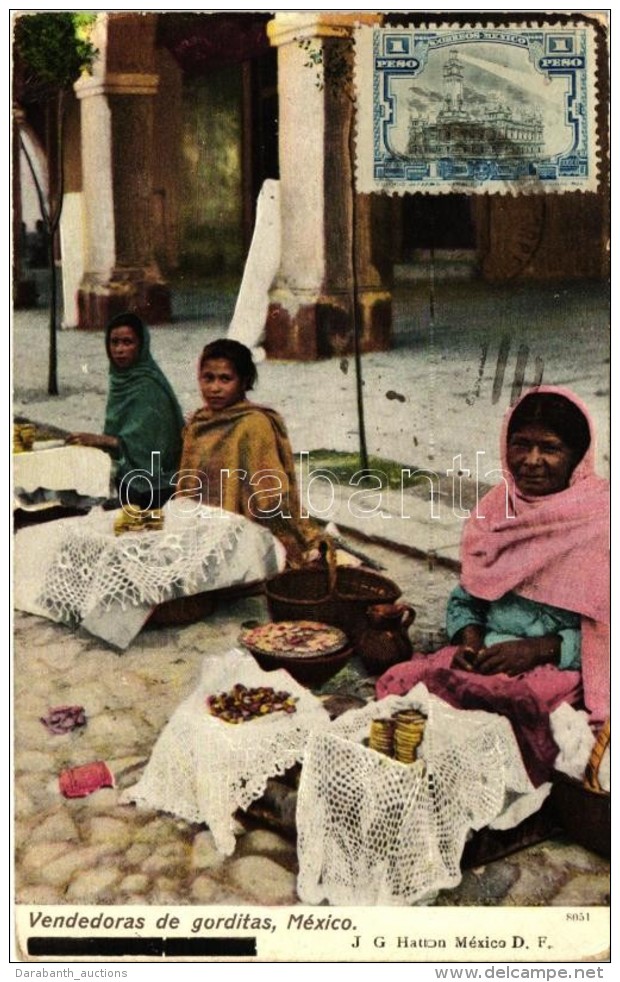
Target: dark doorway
[(436, 222), (230, 131), (260, 132)]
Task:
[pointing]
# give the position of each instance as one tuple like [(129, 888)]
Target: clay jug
[(385, 641)]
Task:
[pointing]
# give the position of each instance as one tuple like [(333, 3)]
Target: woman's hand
[(471, 640), (311, 556), (516, 657), (98, 440), (464, 658)]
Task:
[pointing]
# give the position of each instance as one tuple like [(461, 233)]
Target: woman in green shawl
[(143, 417)]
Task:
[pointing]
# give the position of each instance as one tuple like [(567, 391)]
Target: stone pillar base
[(310, 329), (98, 303)]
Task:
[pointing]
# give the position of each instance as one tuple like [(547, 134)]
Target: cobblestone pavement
[(95, 850)]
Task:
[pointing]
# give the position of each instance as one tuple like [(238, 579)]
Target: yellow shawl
[(241, 460)]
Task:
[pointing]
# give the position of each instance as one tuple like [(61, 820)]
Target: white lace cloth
[(83, 470), (572, 733), (373, 831), (78, 572), (203, 769)]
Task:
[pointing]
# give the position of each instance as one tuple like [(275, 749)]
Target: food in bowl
[(298, 639)]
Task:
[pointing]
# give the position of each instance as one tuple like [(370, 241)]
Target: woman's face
[(220, 385), (123, 347), (539, 460)]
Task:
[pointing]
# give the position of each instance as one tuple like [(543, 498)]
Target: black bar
[(95, 947), (130, 947), (222, 947)]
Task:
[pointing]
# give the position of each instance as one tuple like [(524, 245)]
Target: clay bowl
[(311, 672)]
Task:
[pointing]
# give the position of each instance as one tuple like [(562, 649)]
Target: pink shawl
[(552, 549)]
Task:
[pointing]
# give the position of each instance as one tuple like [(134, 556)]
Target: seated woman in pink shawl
[(529, 622)]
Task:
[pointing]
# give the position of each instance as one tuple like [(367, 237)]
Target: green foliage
[(333, 67), (54, 47), (83, 23), (347, 465)]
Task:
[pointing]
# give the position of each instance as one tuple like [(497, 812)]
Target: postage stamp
[(476, 109)]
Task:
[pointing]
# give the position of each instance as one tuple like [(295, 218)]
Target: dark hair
[(235, 352), (126, 319), (556, 413)]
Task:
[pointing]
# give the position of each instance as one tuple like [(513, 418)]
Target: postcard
[(310, 489)]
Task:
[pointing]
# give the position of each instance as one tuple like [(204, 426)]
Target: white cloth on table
[(203, 769), (83, 471), (77, 571), (374, 831)]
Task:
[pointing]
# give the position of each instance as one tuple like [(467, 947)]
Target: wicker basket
[(182, 610), (331, 594), (582, 808), (198, 606)]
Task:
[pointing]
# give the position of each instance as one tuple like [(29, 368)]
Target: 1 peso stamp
[(476, 109)]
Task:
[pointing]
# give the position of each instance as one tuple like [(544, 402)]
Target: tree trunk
[(52, 377)]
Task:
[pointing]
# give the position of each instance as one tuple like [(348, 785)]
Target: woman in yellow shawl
[(237, 455)]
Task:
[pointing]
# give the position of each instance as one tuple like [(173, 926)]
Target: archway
[(227, 131)]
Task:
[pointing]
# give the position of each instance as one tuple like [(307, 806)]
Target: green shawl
[(142, 411)]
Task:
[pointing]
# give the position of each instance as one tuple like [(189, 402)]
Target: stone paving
[(95, 850)]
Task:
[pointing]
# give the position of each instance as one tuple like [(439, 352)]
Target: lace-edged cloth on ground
[(76, 571), (202, 769), (374, 831), (94, 568)]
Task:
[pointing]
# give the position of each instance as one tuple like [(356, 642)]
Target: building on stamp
[(462, 131)]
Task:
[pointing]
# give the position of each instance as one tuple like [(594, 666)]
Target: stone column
[(117, 160), (323, 262)]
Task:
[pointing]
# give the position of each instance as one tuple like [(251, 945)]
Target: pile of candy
[(133, 519), (242, 704), (23, 437), (399, 736)]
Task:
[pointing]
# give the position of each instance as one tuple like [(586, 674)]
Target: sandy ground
[(426, 401)]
